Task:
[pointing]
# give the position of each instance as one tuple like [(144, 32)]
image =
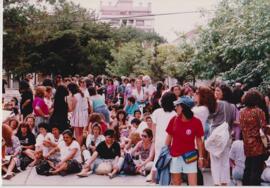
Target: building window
[(124, 22), (140, 23)]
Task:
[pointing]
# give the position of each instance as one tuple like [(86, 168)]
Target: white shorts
[(178, 165)]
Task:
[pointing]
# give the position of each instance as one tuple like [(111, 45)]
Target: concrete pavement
[(30, 178)]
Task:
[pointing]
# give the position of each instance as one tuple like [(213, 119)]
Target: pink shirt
[(41, 103)]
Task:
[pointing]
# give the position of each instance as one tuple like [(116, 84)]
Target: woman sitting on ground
[(145, 150), (27, 140), (108, 152), (70, 155), (93, 140), (10, 147)]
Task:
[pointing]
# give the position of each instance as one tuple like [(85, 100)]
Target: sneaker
[(111, 176)]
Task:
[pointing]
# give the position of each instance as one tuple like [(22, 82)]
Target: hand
[(200, 163), (138, 167), (58, 165)]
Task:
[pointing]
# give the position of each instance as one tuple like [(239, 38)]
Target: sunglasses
[(144, 136)]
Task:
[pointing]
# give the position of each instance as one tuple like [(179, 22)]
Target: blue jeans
[(104, 111)]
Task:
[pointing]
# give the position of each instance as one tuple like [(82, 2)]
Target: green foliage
[(67, 40), (236, 43), (125, 58)]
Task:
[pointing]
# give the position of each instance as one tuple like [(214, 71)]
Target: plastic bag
[(218, 140)]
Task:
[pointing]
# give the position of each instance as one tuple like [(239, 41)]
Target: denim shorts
[(178, 165)]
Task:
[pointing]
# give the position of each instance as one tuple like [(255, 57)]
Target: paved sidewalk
[(30, 177)]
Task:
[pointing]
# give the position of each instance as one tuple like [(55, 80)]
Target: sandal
[(111, 176), (8, 176)]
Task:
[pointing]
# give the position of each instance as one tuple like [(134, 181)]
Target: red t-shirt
[(103, 127), (183, 134)]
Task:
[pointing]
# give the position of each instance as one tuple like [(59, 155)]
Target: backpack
[(43, 168), (129, 166)]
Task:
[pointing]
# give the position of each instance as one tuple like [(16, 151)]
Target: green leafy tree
[(236, 44)]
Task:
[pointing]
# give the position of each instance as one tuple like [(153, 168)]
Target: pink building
[(125, 13)]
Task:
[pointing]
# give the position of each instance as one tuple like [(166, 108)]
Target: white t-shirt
[(202, 113), (91, 138), (161, 120), (65, 150), (39, 142), (137, 95), (142, 126), (150, 89)]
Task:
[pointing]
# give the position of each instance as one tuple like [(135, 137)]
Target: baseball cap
[(184, 100)]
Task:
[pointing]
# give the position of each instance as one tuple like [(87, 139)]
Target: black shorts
[(73, 166)]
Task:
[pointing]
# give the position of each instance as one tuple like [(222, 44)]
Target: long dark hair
[(19, 133), (186, 111), (74, 89), (167, 101)]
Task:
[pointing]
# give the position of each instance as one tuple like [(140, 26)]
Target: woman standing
[(60, 106), (98, 104), (225, 112), (183, 130), (252, 119), (161, 118), (79, 107), (41, 110), (205, 104)]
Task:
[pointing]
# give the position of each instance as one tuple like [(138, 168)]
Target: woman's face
[(55, 132), (149, 122), (139, 83), (145, 137), (178, 109), (48, 94), (109, 139), (13, 125), (177, 91), (121, 116), (96, 131), (197, 97), (30, 122), (218, 93), (24, 130), (67, 139), (42, 131)]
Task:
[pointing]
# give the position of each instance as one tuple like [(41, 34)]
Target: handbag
[(104, 168), (129, 166), (190, 157), (219, 138), (43, 167)]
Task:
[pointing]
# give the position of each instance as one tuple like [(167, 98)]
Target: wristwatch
[(201, 158)]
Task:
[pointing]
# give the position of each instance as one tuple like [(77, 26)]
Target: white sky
[(167, 26)]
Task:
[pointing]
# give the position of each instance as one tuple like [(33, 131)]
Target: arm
[(71, 155), (135, 148), (71, 103), (200, 150), (38, 109), (54, 150), (92, 159), (168, 140), (26, 103)]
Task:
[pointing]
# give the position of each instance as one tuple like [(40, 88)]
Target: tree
[(125, 58), (236, 44)]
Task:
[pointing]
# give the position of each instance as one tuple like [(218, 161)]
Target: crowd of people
[(85, 125)]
